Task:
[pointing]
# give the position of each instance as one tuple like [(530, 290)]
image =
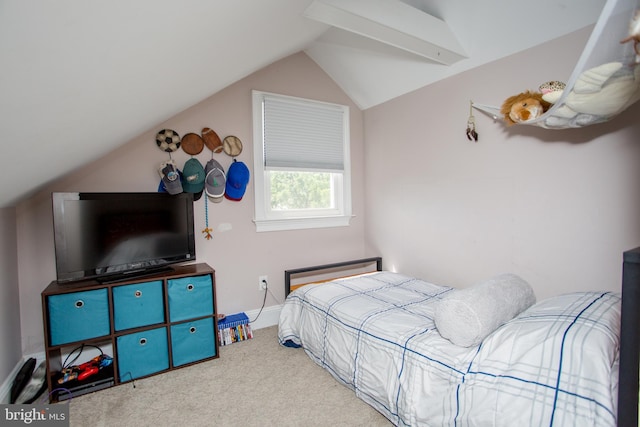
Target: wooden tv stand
[(147, 325)]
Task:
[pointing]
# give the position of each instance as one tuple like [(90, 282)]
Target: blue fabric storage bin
[(140, 304), (78, 316), (142, 353), (190, 297), (193, 341)]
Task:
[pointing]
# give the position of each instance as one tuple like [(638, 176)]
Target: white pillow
[(466, 316)]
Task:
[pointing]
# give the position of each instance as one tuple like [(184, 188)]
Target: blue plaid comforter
[(553, 365)]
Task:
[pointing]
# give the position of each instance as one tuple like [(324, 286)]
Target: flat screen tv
[(114, 236)]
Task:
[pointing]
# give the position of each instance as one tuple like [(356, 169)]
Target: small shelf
[(104, 378)]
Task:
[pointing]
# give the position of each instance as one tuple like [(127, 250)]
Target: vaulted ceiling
[(79, 78)]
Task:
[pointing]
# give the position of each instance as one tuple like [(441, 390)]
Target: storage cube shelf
[(137, 305), (190, 297), (78, 316), (191, 341), (142, 353), (152, 325)]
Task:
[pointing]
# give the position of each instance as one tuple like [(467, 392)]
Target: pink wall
[(557, 207), (239, 254), (10, 351)]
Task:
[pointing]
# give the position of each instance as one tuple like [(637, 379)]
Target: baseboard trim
[(268, 317), (5, 387)]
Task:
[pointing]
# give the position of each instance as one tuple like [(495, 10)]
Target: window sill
[(301, 223)]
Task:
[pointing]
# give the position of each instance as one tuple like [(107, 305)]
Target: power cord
[(264, 300), (79, 349), (274, 297), (45, 399), (130, 377)]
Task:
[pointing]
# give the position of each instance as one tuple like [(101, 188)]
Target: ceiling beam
[(391, 22)]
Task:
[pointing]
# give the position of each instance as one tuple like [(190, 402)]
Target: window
[(301, 163)]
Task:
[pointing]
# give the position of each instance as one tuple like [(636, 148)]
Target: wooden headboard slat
[(295, 271)]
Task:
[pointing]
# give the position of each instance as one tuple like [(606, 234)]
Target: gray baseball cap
[(170, 177), (215, 181)]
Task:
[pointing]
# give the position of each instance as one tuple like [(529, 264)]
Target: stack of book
[(234, 328)]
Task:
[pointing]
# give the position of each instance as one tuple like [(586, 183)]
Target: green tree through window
[(300, 190)]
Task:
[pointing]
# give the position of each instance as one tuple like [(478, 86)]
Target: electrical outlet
[(262, 283)]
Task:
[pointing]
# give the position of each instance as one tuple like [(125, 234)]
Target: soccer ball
[(168, 140)]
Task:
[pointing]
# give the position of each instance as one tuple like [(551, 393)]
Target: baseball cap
[(162, 188), (193, 176), (237, 180), (170, 177), (215, 181)]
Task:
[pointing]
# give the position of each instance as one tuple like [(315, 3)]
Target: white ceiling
[(78, 78)]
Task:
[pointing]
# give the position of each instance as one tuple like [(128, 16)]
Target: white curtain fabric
[(303, 135)]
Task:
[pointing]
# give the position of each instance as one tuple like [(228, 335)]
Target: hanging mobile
[(472, 135), (207, 231)]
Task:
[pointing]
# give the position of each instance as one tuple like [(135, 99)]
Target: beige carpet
[(253, 383)]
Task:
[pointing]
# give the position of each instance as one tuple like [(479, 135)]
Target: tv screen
[(112, 236)]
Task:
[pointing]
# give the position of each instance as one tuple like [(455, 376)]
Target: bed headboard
[(629, 340), (288, 274)]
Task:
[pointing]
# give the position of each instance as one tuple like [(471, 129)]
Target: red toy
[(85, 370)]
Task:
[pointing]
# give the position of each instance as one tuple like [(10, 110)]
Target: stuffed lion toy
[(523, 107)]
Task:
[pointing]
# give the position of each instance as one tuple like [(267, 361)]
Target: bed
[(555, 363)]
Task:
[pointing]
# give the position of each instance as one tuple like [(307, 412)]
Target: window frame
[(267, 220)]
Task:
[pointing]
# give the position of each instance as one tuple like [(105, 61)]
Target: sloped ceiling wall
[(80, 78)]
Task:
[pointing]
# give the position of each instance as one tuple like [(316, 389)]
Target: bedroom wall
[(10, 349), (237, 252), (557, 207)]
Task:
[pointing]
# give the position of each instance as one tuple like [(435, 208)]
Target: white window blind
[(302, 135)]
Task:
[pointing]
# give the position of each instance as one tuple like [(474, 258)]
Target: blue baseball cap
[(237, 180)]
